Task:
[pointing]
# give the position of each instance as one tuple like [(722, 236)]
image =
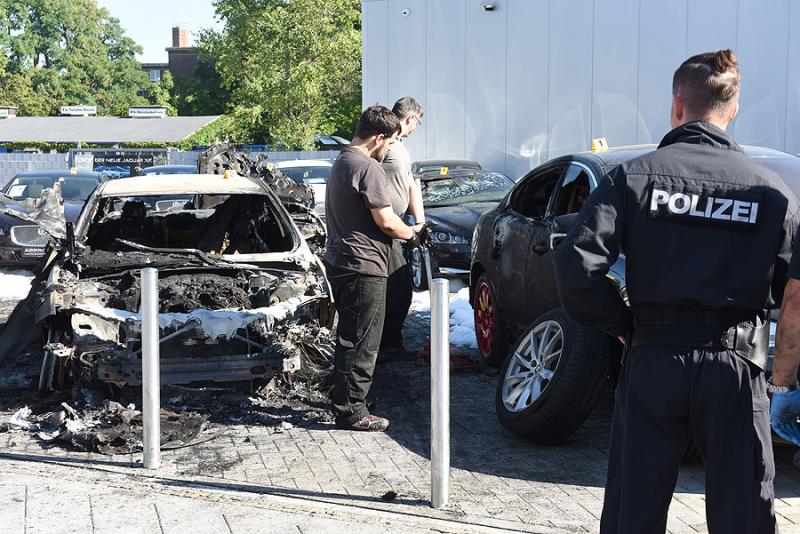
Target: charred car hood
[(460, 219)]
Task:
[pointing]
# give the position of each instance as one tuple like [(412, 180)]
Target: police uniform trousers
[(667, 394)]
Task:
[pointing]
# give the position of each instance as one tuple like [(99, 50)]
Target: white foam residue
[(462, 321), (15, 285), (214, 323)]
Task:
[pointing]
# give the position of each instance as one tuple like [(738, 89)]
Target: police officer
[(707, 236)]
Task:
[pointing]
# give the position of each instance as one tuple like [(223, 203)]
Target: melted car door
[(566, 201), (515, 230)]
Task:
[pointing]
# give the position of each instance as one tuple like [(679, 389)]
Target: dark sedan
[(454, 202), (22, 242), (555, 371)]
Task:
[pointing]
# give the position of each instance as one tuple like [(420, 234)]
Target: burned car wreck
[(241, 295)]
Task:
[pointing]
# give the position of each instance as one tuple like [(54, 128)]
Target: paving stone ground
[(499, 482)]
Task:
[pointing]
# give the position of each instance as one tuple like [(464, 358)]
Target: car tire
[(419, 276), (548, 398), (490, 326)]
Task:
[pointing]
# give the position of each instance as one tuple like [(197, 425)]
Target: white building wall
[(535, 79)]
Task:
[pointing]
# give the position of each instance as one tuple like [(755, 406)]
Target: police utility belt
[(743, 332)]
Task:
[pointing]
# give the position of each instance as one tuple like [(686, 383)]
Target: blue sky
[(150, 22)]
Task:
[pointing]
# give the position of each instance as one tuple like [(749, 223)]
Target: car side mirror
[(564, 223)]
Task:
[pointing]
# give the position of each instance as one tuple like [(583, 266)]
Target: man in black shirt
[(361, 226), (707, 236)]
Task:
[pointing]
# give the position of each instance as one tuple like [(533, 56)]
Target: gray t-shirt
[(356, 185), (397, 166)]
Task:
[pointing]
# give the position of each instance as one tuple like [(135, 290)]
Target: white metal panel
[(570, 76), (406, 59), (527, 87), (763, 38), (793, 83), (705, 36), (486, 83), (373, 52), (662, 47), (616, 53), (445, 114)]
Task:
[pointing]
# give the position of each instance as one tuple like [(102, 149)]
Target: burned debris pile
[(107, 427)]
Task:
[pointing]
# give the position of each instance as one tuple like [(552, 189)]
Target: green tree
[(70, 52), (202, 94), (293, 67), (161, 93)]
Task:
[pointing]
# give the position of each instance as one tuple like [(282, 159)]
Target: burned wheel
[(490, 329), (552, 379)]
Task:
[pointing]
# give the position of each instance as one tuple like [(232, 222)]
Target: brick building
[(182, 58)]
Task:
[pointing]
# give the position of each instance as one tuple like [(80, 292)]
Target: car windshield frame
[(458, 198)]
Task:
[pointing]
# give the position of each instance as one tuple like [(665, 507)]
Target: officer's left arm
[(587, 253)]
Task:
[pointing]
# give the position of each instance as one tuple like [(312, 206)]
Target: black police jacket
[(701, 226)]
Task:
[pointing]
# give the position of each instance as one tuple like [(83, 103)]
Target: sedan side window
[(532, 196), (573, 191)]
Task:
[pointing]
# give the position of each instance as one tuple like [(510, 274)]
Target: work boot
[(370, 423)]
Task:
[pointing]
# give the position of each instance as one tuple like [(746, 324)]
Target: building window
[(155, 75)]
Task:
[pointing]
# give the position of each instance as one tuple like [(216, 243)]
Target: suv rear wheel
[(552, 379)]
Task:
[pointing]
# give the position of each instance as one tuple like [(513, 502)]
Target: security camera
[(488, 7), (406, 12)]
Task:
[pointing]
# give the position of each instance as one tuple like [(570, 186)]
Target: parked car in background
[(330, 142), (553, 374), (311, 172), (22, 242), (168, 169), (437, 166), (453, 203)]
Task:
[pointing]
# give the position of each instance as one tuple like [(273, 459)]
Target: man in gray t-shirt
[(361, 226), (405, 195)]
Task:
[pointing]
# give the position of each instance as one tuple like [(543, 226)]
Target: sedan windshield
[(72, 187), (478, 187)]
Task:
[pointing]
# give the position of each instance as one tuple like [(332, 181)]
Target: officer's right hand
[(784, 413)]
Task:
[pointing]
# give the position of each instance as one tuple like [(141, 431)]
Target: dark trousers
[(666, 394), (360, 302), (398, 298)]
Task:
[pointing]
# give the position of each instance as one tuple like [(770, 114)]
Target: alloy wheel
[(532, 366), (484, 318)]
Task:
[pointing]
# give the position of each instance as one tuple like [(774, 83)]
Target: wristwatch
[(772, 388)]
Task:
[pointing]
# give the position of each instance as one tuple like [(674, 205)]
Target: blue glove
[(784, 412)]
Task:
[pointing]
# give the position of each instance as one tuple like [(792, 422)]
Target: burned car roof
[(202, 184)]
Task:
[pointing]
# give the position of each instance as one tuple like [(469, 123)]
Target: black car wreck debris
[(242, 297)]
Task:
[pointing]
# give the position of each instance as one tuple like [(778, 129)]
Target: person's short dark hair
[(707, 82), (377, 120), (407, 105)]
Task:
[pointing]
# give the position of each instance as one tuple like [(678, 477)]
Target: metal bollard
[(440, 393), (151, 379)]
